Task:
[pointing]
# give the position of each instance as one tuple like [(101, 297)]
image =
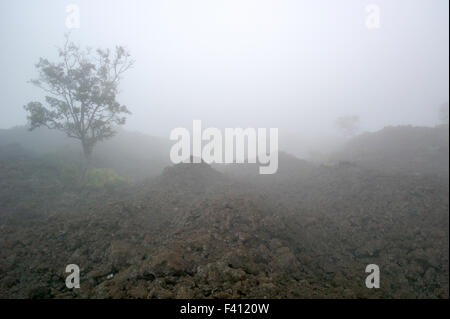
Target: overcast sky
[(296, 65)]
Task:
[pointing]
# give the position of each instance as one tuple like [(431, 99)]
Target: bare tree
[(82, 88), (348, 125)]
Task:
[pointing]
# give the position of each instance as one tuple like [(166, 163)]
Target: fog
[(274, 150), (295, 65)]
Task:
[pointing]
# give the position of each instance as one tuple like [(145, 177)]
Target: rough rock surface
[(197, 233)]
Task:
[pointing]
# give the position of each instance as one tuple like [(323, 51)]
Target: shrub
[(103, 177), (72, 175)]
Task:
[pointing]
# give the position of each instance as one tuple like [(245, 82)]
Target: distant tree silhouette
[(82, 88), (443, 113), (348, 125)]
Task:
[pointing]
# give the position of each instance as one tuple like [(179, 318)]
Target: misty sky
[(296, 65)]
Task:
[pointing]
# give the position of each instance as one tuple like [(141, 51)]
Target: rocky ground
[(194, 232)]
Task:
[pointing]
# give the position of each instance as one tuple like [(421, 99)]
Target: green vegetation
[(72, 175), (103, 177)]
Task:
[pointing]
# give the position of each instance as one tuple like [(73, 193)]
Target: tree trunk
[(87, 151)]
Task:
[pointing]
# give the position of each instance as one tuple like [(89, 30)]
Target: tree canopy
[(82, 90), (348, 125)]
